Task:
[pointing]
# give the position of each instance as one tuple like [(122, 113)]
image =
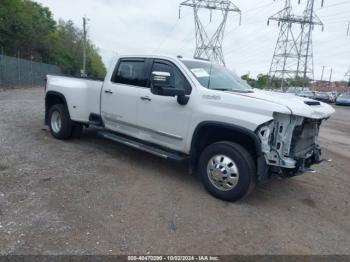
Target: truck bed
[(82, 95)]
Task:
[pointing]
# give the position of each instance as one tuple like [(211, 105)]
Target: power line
[(171, 31), (255, 9), (337, 4), (167, 36), (248, 11)]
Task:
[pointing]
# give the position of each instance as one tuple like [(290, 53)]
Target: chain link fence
[(17, 72)]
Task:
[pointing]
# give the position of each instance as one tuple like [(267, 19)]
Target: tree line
[(264, 81), (28, 30)]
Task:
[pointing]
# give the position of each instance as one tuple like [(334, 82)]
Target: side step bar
[(95, 120), (144, 147)]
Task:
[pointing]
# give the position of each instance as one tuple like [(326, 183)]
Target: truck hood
[(299, 106)]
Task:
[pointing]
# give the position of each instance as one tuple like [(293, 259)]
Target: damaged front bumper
[(290, 145)]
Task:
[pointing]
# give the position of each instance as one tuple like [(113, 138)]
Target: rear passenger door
[(120, 95)]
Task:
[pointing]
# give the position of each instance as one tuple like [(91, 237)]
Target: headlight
[(276, 139)]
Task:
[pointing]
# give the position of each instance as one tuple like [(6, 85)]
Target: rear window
[(131, 72)]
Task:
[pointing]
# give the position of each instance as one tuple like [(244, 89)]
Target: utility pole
[(19, 66), (347, 74), (323, 67), (1, 64), (330, 79), (83, 72), (293, 56), (210, 48)]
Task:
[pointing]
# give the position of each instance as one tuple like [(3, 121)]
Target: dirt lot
[(92, 196)]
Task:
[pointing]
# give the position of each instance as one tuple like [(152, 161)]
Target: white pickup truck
[(186, 109)]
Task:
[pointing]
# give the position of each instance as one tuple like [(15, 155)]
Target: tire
[(227, 171), (61, 126)]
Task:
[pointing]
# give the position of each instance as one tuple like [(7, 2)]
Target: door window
[(176, 78), (181, 82), (131, 73)]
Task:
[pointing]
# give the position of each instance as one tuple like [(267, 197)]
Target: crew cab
[(191, 110)]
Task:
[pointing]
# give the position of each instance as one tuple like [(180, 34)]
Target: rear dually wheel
[(61, 126)]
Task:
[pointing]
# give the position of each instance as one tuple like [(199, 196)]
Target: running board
[(144, 147), (95, 120)]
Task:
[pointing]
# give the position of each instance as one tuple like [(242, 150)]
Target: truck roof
[(172, 57)]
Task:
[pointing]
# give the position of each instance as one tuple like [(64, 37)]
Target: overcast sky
[(152, 26)]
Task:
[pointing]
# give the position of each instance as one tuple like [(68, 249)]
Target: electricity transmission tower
[(293, 55), (210, 48)]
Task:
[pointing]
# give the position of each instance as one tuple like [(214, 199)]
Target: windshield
[(216, 77)]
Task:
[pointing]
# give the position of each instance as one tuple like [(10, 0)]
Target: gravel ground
[(92, 196)]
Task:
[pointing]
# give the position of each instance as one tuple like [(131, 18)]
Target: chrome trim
[(126, 85), (108, 118)]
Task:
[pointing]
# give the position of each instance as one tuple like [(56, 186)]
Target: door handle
[(146, 98), (109, 91)]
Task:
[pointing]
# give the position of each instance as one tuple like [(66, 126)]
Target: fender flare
[(53, 93), (233, 127), (261, 165)]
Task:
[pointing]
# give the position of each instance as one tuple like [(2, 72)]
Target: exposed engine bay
[(290, 144)]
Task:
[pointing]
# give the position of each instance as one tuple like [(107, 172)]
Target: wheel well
[(209, 134), (53, 98)]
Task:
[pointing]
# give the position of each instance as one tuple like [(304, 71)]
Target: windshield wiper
[(220, 89), (241, 91), (233, 90)]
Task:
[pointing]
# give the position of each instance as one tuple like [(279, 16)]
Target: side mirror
[(160, 79), (161, 85)]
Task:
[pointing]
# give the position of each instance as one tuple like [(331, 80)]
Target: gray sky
[(152, 26)]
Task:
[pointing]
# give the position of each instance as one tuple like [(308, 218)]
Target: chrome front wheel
[(227, 170), (223, 172)]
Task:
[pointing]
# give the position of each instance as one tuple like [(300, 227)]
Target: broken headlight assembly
[(289, 143)]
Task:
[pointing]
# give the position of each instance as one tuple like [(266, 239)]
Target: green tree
[(94, 65), (28, 29), (66, 45), (298, 81), (67, 42), (263, 81), (24, 27), (249, 80)]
